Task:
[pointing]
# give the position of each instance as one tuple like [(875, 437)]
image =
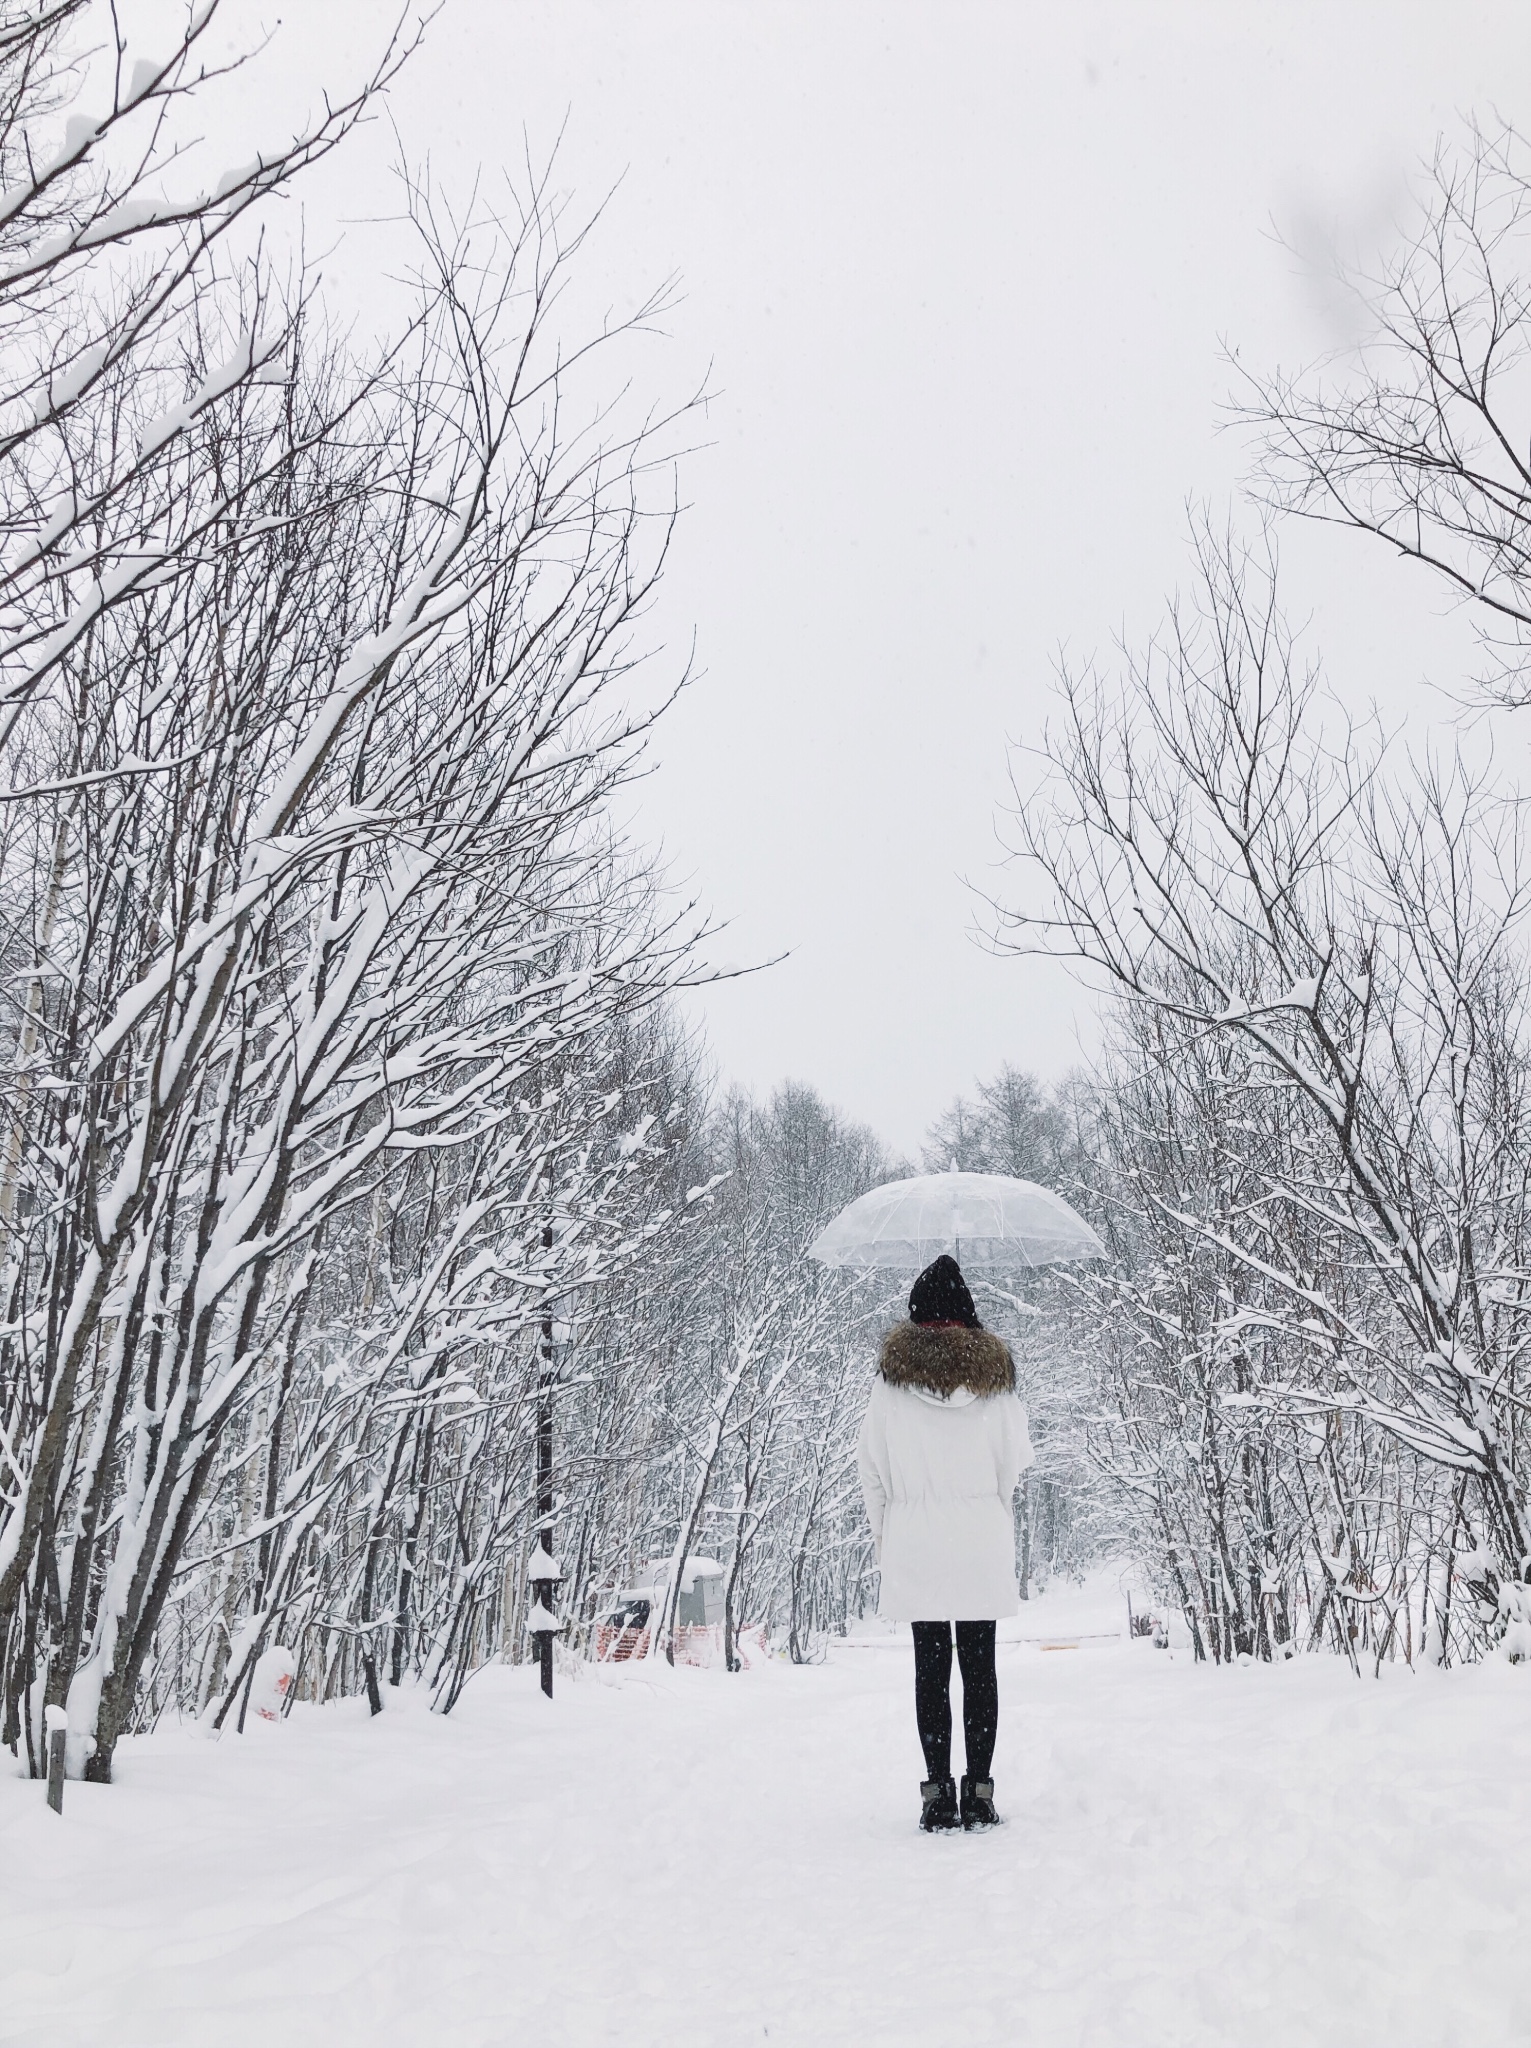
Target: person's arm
[(1015, 1452), (871, 1463)]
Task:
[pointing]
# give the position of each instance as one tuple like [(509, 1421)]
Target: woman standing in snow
[(942, 1448)]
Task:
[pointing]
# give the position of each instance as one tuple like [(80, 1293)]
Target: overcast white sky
[(963, 273)]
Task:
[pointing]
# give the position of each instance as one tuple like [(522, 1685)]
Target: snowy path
[(1192, 1857)]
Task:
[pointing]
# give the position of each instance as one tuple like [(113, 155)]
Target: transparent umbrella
[(982, 1219)]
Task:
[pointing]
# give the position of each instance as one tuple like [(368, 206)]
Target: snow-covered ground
[(1191, 1857)]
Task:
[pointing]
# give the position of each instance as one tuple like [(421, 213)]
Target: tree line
[(1312, 1127)]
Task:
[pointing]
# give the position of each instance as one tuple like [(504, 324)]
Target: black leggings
[(933, 1696)]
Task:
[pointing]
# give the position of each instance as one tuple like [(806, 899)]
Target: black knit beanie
[(940, 1295)]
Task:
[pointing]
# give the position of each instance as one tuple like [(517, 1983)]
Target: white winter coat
[(939, 1466)]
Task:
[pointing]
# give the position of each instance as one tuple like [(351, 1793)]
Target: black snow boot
[(978, 1803), (940, 1808)]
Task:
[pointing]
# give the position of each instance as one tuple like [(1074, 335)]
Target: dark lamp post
[(545, 1571)]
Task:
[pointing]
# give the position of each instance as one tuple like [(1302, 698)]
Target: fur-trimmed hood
[(939, 1359)]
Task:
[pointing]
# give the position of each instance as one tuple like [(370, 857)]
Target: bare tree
[(329, 883), (1235, 870), (1421, 438), (1011, 1125), (102, 269)]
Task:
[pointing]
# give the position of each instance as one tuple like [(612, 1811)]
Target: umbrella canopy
[(982, 1219)]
